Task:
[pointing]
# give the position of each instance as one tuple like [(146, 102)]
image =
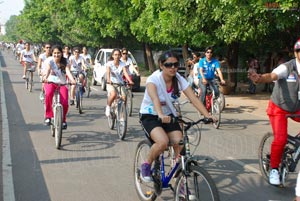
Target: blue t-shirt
[(209, 68)]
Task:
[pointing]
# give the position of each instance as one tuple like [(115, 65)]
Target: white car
[(99, 72)]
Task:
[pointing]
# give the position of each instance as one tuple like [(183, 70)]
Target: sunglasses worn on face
[(297, 50), (209, 52), (170, 65), (47, 47), (124, 53)]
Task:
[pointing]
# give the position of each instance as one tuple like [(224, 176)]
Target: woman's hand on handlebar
[(165, 119)]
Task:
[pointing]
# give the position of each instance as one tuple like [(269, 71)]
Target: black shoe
[(47, 122), (64, 125), (72, 102)]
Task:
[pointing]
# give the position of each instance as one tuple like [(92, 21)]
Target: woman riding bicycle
[(115, 69), (162, 88), (57, 68), (27, 56), (285, 99)]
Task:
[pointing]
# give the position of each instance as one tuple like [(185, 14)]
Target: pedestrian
[(284, 100), (253, 66)]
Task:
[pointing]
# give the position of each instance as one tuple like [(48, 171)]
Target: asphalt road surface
[(93, 164)]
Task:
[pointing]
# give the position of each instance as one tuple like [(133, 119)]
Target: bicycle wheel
[(30, 82), (216, 112), (221, 100), (58, 125), (122, 120), (112, 118), (129, 102), (198, 185), (264, 153), (145, 190)]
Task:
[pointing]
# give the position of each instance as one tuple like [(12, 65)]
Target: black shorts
[(149, 122)]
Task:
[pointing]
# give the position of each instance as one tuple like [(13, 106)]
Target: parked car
[(99, 72)]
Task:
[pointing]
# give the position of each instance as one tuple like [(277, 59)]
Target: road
[(93, 164)]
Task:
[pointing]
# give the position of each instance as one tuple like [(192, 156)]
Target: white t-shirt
[(20, 47), (147, 106), (282, 71), (56, 75), (43, 57), (129, 65), (76, 64), (116, 73), (86, 57), (27, 55)]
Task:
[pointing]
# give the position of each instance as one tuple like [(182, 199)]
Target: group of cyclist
[(164, 86)]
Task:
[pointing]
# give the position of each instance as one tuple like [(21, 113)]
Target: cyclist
[(207, 67), (42, 66), (87, 57), (162, 88), (78, 65), (27, 56), (130, 66), (285, 99), (57, 68), (115, 69), (19, 48)]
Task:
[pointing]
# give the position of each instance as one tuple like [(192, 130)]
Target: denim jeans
[(212, 84)]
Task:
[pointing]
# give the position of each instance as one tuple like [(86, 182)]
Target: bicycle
[(118, 113), (30, 68), (78, 92), (89, 77), (129, 98), (289, 160), (57, 120), (188, 174)]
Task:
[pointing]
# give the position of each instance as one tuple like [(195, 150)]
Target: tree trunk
[(149, 61), (232, 55)]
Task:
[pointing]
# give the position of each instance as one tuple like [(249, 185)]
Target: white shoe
[(274, 177), (107, 111)]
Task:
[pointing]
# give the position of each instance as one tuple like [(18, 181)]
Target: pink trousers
[(49, 93)]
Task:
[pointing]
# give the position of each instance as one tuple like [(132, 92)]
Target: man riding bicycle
[(206, 73), (285, 100)]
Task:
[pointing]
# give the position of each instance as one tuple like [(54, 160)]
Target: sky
[(10, 7)]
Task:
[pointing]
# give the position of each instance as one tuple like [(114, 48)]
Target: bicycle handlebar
[(188, 124)]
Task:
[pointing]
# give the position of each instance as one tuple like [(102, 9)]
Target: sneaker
[(146, 172), (64, 125), (72, 102), (274, 177), (107, 111), (24, 77), (47, 122)]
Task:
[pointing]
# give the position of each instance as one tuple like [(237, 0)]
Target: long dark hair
[(163, 57), (63, 61)]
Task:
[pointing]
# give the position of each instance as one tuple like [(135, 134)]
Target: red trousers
[(279, 125)]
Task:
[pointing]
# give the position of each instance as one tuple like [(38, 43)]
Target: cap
[(297, 45)]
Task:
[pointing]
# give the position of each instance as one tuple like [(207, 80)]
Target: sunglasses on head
[(170, 65)]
